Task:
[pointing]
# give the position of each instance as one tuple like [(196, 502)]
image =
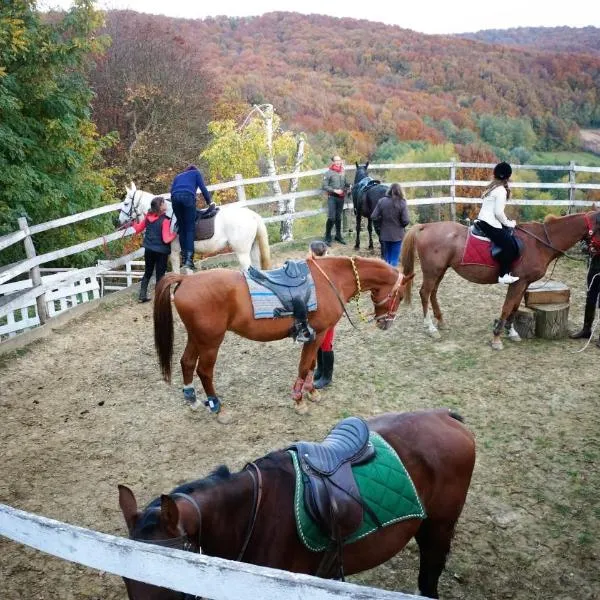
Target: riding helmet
[(502, 171)]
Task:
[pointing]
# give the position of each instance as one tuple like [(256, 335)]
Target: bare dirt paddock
[(85, 409)]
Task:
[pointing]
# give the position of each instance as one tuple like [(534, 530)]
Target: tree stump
[(551, 320), (525, 323), (547, 292)]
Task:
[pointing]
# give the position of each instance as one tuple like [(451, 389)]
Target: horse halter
[(593, 234), (390, 299), (133, 212)]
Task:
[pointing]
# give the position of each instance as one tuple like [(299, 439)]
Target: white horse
[(237, 226)]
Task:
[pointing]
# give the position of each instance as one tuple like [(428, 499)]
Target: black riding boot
[(319, 370), (328, 228), (143, 297), (327, 374), (588, 319), (338, 231), (189, 261)]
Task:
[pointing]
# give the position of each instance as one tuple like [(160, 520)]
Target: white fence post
[(572, 175), (453, 189), (240, 189), (34, 273)]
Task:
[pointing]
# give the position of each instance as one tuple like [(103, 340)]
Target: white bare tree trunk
[(287, 231)]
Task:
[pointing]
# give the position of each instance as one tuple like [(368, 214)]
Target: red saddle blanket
[(479, 252)]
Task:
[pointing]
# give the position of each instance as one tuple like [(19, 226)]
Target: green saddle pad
[(385, 486)]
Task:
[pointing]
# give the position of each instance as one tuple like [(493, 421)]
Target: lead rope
[(356, 296)]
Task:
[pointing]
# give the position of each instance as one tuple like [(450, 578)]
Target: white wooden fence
[(214, 578), (35, 302)]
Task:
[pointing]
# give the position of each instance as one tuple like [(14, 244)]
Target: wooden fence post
[(453, 189), (572, 188), (240, 189), (34, 273)]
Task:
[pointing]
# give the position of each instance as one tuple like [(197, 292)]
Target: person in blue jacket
[(183, 197)]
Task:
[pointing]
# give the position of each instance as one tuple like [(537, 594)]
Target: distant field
[(591, 140), (580, 158)]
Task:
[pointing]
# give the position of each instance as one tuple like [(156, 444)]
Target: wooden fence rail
[(9, 301), (214, 578)]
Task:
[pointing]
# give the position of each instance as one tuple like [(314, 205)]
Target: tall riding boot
[(338, 231), (328, 228), (189, 261), (588, 319), (143, 297), (327, 374), (319, 370)]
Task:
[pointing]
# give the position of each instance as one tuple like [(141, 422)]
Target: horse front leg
[(435, 305), (511, 304), (358, 224)]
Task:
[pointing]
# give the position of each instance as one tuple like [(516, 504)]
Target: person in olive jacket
[(336, 186), (391, 214)]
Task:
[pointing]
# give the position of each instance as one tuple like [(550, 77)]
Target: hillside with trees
[(580, 40), (348, 84)]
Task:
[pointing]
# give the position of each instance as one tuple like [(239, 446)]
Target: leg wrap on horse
[(498, 326)]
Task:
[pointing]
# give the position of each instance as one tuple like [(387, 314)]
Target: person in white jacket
[(494, 223)]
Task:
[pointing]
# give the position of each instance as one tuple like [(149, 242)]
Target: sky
[(426, 16)]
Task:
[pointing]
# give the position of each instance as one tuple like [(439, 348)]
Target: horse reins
[(257, 487), (548, 244), (342, 304)]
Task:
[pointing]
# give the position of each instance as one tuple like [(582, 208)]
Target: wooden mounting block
[(547, 292)]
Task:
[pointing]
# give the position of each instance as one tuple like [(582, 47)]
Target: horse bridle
[(133, 213), (390, 299), (183, 542)]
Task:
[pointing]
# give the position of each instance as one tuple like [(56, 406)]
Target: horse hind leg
[(358, 225), (205, 368), (435, 305), (370, 230), (188, 361), (425, 293), (434, 539)]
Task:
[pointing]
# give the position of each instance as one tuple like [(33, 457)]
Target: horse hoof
[(442, 326), (301, 407), (313, 396), (194, 405), (433, 333), (224, 417), (497, 345)]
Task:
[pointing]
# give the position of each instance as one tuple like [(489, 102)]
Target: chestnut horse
[(213, 302), (441, 245), (224, 516)]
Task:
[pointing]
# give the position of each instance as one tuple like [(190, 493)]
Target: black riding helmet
[(502, 171)]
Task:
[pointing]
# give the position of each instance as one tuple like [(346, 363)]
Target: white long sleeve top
[(492, 209)]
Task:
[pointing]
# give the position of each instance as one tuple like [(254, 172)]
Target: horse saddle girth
[(331, 495), (205, 222)]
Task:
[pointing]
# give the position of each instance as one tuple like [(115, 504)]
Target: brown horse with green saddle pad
[(250, 516), (441, 245), (210, 303)]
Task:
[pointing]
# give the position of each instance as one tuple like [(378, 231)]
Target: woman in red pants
[(324, 370)]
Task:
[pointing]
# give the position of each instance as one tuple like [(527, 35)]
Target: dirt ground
[(86, 409)]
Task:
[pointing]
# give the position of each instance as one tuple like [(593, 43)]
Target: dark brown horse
[(213, 302), (213, 515), (441, 245)]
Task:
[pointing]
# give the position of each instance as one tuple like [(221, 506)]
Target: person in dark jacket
[(391, 214), (183, 197), (157, 243), (592, 300), (336, 186)]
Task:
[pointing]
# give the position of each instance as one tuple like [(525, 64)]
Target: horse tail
[(163, 322), (262, 237), (407, 260)]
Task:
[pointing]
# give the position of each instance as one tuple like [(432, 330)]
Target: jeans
[(391, 252), (184, 207)]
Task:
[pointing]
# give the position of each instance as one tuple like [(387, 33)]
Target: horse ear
[(356, 164), (367, 165), (128, 505), (133, 188), (169, 515)]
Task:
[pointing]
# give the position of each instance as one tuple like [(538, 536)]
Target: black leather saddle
[(331, 495), (292, 285), (205, 222)]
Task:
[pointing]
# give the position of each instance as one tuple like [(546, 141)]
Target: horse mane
[(549, 218)]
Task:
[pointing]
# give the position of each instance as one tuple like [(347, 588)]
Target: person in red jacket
[(324, 371), (157, 243)]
